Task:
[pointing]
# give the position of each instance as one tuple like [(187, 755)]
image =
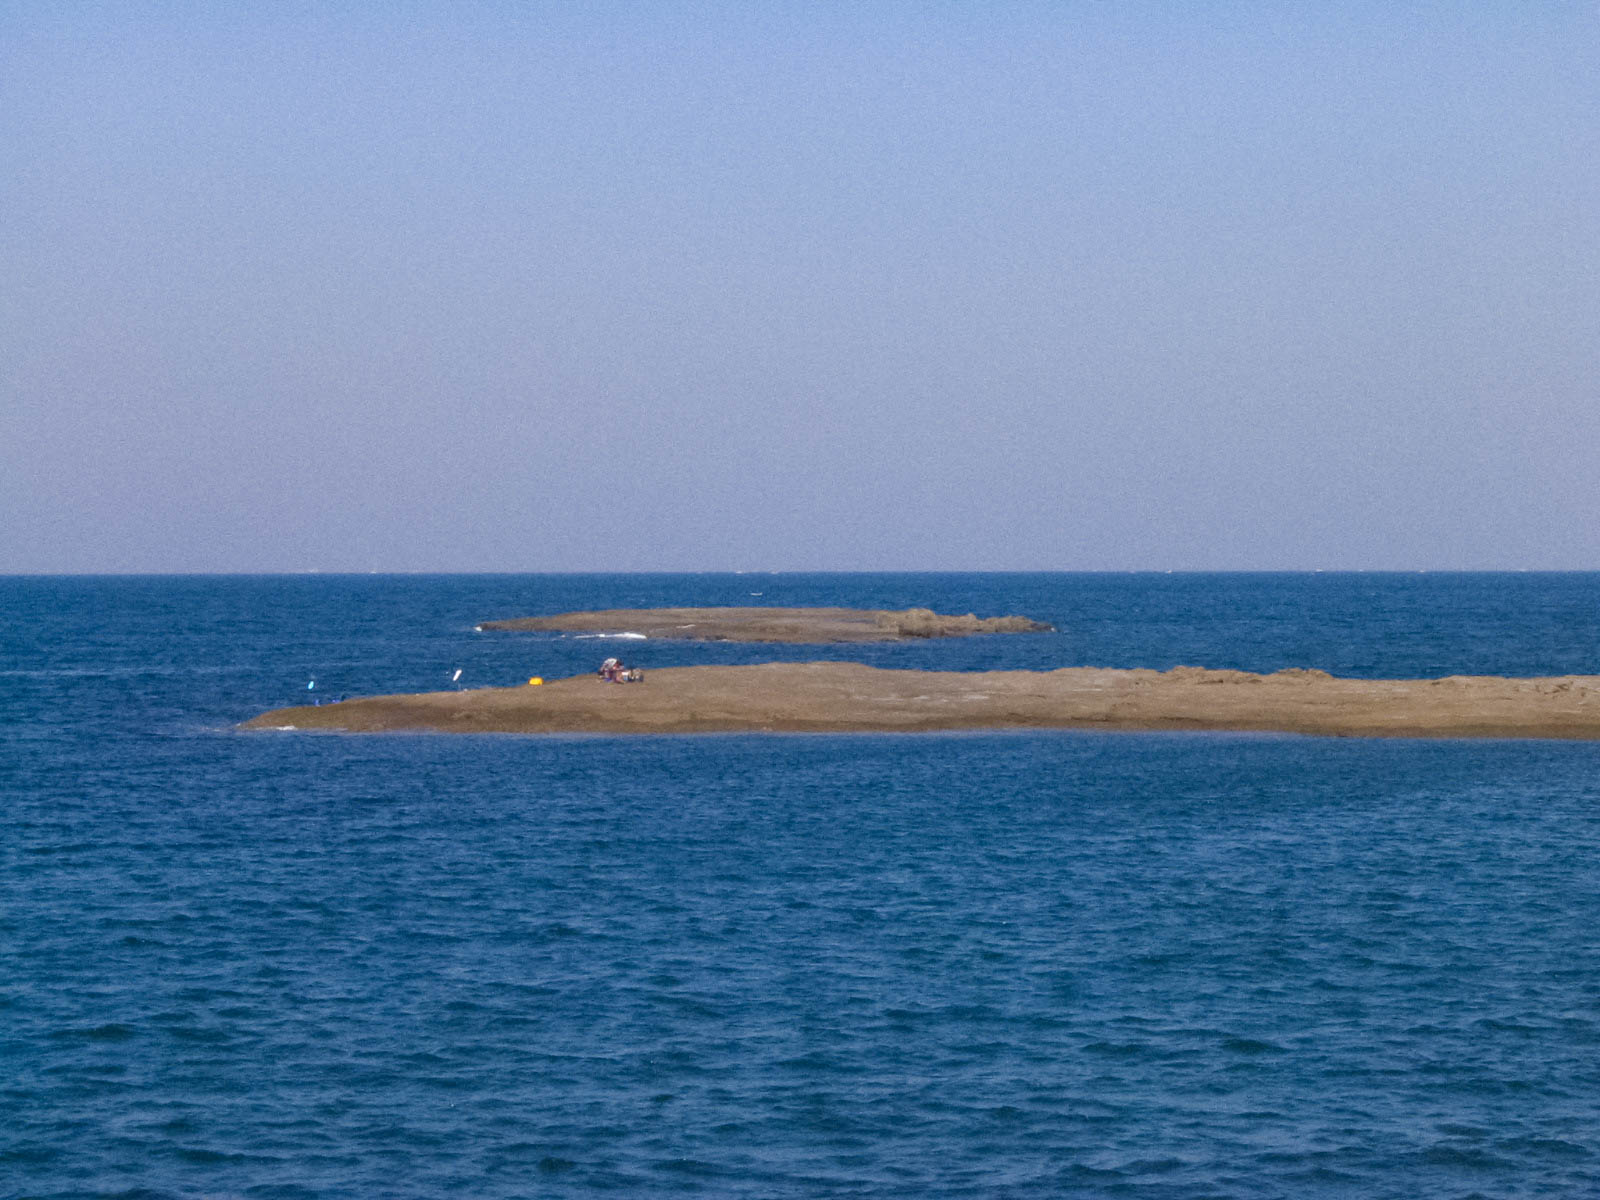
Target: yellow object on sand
[(535, 681)]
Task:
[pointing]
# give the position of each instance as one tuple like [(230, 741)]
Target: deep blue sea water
[(1017, 964)]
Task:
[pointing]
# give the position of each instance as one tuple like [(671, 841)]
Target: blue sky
[(1065, 286)]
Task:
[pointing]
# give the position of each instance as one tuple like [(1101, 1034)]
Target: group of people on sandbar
[(612, 671)]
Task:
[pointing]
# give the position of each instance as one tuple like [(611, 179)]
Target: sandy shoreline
[(849, 697), (813, 625)]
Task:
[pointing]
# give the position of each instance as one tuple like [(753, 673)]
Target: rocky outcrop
[(814, 625), (850, 697)]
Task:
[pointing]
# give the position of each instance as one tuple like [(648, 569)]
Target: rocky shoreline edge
[(840, 697), (794, 625)]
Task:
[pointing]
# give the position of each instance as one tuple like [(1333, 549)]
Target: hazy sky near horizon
[(1075, 286)]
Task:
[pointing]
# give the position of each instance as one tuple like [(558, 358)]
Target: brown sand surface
[(849, 697), (816, 625)]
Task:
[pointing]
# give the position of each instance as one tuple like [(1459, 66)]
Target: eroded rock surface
[(818, 625), (850, 697)]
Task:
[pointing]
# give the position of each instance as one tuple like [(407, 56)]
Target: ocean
[(1016, 964)]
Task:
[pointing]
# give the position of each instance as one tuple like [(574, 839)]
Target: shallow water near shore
[(1017, 964)]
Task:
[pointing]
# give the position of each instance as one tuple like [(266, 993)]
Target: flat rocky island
[(828, 697), (817, 625)]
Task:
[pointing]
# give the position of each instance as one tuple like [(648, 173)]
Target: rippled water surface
[(1014, 964)]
